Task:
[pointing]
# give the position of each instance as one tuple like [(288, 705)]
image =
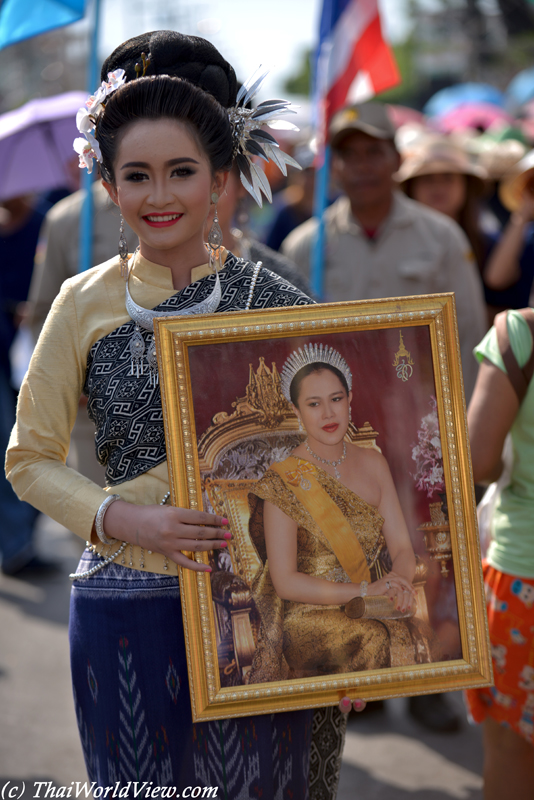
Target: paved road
[(387, 756)]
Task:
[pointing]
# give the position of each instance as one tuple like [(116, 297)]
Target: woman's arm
[(394, 529), (289, 583), (503, 268), (46, 411), (490, 415), (397, 539)]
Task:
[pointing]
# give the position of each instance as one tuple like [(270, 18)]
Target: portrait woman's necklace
[(334, 464), (144, 318)]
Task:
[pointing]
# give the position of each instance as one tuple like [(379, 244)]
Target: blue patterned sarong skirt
[(131, 695)]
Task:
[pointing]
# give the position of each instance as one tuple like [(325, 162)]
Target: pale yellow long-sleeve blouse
[(89, 307)]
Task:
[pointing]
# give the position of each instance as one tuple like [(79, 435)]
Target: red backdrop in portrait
[(394, 407)]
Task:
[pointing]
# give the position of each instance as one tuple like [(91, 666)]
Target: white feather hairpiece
[(251, 140)]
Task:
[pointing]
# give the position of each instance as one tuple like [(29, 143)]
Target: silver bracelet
[(99, 519), (363, 588)]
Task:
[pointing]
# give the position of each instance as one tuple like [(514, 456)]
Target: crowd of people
[(412, 212)]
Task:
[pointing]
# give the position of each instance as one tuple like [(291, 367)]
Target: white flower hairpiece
[(250, 140), (88, 149)]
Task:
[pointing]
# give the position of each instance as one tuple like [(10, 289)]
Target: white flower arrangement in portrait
[(427, 454)]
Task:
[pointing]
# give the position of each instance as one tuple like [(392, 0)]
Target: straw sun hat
[(514, 182), (434, 156)]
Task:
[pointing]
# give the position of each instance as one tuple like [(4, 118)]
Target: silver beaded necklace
[(334, 464), (144, 318)]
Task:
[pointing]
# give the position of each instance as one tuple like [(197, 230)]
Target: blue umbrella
[(453, 96), (521, 88), (22, 19)]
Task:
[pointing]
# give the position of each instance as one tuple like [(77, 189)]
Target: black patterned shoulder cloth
[(126, 409)]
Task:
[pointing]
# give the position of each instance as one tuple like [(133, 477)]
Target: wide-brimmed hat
[(498, 150), (502, 157), (437, 155), (514, 181), (370, 118)]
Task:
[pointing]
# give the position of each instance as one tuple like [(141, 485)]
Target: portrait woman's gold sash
[(301, 479)]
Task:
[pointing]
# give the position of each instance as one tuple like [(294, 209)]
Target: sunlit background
[(433, 43)]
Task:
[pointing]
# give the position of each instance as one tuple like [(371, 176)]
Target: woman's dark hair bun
[(172, 53)]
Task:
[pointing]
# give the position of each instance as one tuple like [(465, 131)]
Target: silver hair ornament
[(312, 354), (251, 140)]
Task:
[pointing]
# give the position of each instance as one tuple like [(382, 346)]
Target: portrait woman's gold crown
[(312, 354)]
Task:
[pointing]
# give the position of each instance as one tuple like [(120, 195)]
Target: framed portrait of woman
[(333, 440)]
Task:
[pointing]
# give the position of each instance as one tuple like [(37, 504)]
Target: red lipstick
[(331, 428), (162, 220)]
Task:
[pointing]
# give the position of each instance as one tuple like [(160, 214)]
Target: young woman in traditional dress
[(165, 127)]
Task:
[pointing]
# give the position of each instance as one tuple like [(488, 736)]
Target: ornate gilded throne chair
[(234, 452)]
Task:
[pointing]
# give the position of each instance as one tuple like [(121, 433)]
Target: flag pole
[(320, 202), (85, 256), (322, 174)]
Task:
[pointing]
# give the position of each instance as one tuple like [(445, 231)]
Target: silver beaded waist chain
[(109, 557)]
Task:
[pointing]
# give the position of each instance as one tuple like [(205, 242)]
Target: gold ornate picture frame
[(227, 422)]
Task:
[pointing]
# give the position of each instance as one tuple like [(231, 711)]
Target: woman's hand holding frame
[(168, 530)]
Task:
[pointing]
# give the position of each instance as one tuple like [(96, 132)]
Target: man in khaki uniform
[(58, 251), (379, 243), (57, 260)]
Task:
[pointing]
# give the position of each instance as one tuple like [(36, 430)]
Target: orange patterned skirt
[(510, 604)]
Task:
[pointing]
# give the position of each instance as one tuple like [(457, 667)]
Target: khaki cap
[(514, 182), (437, 155), (370, 118)]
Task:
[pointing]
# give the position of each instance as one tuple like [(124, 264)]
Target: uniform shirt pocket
[(418, 268)]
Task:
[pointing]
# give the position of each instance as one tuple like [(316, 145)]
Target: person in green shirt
[(506, 709)]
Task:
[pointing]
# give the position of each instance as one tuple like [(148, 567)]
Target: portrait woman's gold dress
[(339, 538)]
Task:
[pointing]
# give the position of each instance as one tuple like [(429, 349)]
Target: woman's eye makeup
[(136, 177), (183, 172), (335, 399)]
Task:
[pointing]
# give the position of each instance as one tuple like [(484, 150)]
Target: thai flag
[(353, 61)]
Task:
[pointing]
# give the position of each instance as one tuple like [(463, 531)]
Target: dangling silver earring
[(215, 239), (123, 251), (350, 414), (301, 429)]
